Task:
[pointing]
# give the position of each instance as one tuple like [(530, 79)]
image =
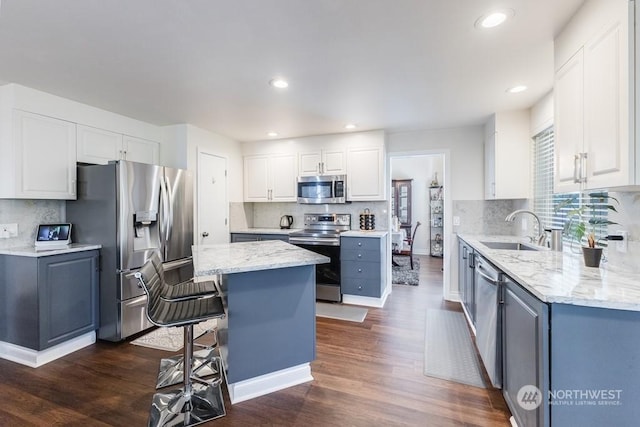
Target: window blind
[(543, 198), (556, 210)]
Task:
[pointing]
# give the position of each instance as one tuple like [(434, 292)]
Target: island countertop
[(561, 277), (227, 258)]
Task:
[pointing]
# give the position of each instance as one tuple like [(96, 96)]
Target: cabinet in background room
[(48, 299), (436, 221), (401, 203), (99, 146), (43, 164), (270, 178), (507, 156), (363, 261)]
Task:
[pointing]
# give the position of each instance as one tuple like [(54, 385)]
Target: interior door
[(213, 226)]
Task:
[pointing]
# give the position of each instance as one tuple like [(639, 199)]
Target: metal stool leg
[(194, 403), (205, 363)]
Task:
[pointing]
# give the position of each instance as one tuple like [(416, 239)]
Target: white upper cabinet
[(366, 176), (507, 161), (99, 146), (44, 158), (271, 168), (140, 150), (270, 178), (329, 161), (592, 114)]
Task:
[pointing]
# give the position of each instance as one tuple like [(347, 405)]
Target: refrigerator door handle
[(170, 203), (164, 198)]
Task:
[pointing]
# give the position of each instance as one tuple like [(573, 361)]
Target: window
[(543, 200), (546, 204)]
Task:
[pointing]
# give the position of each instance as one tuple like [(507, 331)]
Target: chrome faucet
[(542, 238)]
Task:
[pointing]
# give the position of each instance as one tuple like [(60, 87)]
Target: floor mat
[(449, 352), (341, 312), (171, 339)]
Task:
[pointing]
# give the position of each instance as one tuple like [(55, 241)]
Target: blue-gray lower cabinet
[(525, 352), (362, 265), (48, 300), (253, 237), (583, 360)]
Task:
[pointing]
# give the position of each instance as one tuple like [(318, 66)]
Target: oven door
[(327, 275)]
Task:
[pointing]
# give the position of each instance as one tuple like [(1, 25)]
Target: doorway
[(425, 175), (213, 209)]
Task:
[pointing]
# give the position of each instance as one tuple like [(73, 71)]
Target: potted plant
[(581, 224)]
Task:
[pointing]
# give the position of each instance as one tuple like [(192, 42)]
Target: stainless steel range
[(322, 235)]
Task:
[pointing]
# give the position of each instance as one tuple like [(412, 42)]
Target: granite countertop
[(227, 258), (561, 277), (267, 230), (364, 233), (30, 251)]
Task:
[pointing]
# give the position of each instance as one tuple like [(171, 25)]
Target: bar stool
[(197, 401), (205, 361)]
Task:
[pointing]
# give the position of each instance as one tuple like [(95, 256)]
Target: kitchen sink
[(512, 246)]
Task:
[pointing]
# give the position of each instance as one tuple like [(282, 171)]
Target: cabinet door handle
[(359, 255), (359, 270), (205, 234), (583, 167), (359, 243)]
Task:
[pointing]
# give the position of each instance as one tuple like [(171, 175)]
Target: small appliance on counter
[(53, 236), (286, 221), (367, 220)]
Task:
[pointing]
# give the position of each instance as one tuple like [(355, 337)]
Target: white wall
[(180, 149), (541, 115), (467, 155)]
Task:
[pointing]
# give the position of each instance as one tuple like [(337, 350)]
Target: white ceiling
[(383, 64)]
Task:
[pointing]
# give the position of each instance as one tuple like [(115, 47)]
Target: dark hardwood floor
[(365, 374)]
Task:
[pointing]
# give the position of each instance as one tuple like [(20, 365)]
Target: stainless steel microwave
[(320, 189)]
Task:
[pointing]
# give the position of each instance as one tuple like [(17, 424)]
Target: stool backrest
[(151, 277)]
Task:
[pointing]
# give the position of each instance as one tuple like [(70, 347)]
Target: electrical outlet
[(456, 220), (8, 230), (621, 245)]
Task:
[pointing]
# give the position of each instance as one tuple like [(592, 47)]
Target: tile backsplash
[(28, 214), (487, 216), (267, 215)]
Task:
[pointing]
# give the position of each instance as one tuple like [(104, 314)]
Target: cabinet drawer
[(361, 270), (360, 243), (361, 287), (360, 255)]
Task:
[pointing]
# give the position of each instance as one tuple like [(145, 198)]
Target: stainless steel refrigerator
[(132, 209)]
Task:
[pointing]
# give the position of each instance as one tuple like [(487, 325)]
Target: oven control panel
[(328, 219)]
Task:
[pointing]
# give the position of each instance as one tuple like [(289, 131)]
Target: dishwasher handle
[(482, 271)]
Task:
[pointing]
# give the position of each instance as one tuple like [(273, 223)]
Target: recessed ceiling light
[(517, 89), (349, 126), (279, 83), (272, 134), (493, 19)]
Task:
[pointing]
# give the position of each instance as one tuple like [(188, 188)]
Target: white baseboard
[(365, 301), (268, 383), (35, 359)]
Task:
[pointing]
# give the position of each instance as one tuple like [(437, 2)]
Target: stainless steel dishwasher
[(488, 318)]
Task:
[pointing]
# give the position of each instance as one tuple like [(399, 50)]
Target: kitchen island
[(569, 330), (267, 340)]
